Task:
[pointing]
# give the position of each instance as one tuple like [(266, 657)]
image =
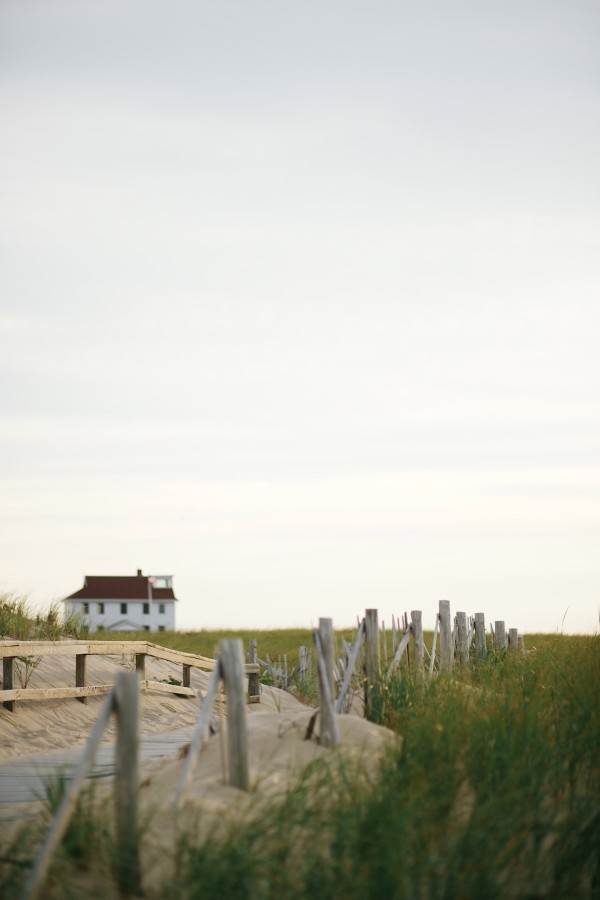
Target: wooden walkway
[(23, 779)]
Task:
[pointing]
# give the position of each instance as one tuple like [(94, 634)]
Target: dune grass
[(494, 793), (21, 622)]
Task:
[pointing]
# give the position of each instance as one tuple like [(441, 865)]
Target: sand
[(277, 747)]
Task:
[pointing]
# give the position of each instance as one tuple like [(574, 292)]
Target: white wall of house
[(125, 615)]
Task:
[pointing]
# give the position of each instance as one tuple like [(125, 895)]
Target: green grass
[(495, 793)]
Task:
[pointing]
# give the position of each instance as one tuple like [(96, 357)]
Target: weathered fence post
[(126, 782), (372, 656), (433, 643), (350, 664), (326, 670), (186, 676), (323, 638), (253, 677), (462, 650), (480, 646), (303, 663), (416, 619), (446, 638), (232, 663), (80, 661), (513, 639), (500, 636), (140, 664), (8, 666)]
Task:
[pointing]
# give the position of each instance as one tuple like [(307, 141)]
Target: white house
[(125, 602)]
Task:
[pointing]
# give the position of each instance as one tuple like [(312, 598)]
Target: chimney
[(139, 573)]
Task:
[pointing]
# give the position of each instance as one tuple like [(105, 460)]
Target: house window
[(146, 609), (123, 609), (146, 628), (100, 608), (161, 609), (86, 608), (161, 627)]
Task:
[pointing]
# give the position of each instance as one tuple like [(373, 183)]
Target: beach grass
[(494, 792)]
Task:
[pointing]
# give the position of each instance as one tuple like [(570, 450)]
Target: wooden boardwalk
[(23, 779)]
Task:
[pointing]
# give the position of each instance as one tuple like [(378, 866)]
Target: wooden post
[(513, 639), (433, 643), (253, 677), (140, 665), (500, 636), (326, 671), (446, 638), (462, 651), (127, 690), (186, 676), (416, 619), (480, 646), (80, 661), (384, 643), (303, 663), (352, 657), (328, 735), (232, 663), (8, 668), (521, 644), (394, 635), (372, 656)]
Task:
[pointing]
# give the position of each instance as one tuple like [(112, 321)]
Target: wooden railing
[(13, 651), (123, 702)]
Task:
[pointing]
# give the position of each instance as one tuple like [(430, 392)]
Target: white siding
[(133, 619)]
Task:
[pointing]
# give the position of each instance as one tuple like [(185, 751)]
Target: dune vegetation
[(493, 792)]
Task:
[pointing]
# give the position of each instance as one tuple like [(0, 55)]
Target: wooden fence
[(12, 652), (122, 701), (362, 663), (455, 648)]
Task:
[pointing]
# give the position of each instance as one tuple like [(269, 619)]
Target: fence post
[(446, 640), (462, 651), (513, 639), (127, 691), (8, 666), (303, 663), (480, 646), (186, 676), (433, 644), (372, 656), (328, 736), (253, 677), (232, 663), (140, 665), (500, 636), (80, 660), (416, 618), (327, 725)]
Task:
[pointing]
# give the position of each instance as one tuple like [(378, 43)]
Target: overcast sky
[(300, 303)]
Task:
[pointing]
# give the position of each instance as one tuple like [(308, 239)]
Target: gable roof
[(120, 587)]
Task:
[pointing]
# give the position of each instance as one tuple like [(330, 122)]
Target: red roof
[(120, 587)]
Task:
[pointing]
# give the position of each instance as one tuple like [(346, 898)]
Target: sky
[(300, 303)]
